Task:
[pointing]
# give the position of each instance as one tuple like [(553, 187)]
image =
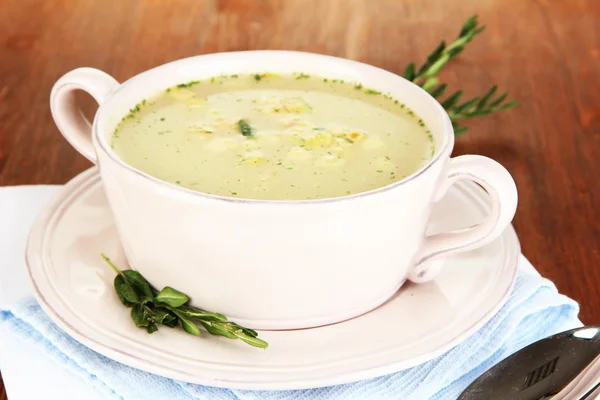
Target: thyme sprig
[(151, 308)]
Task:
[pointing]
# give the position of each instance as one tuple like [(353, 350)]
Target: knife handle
[(594, 393), (585, 386)]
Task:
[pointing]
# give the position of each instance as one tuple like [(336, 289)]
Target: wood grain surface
[(546, 52)]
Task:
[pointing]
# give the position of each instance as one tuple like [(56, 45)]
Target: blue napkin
[(534, 310)]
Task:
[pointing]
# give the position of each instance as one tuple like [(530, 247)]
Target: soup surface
[(274, 137)]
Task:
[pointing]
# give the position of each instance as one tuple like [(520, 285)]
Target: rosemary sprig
[(475, 107), (426, 77), (151, 308), (438, 58)]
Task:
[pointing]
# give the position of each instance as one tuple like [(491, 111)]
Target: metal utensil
[(559, 366)]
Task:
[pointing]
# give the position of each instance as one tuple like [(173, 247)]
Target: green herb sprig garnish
[(245, 128), (426, 77), (151, 308)]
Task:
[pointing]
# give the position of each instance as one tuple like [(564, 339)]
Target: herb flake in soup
[(264, 136)]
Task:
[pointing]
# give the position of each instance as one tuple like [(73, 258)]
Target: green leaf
[(478, 31), (245, 128), (467, 33), (140, 316), (438, 91), (409, 71), (249, 332), (252, 341), (480, 113), (171, 321), (437, 52), (498, 100), (460, 130), (468, 25), (159, 315), (151, 328), (455, 51), (486, 97), (171, 297), (139, 284), (457, 46), (510, 104), (451, 101), (255, 342), (126, 293), (432, 57), (187, 325), (165, 317), (216, 329), (466, 105)]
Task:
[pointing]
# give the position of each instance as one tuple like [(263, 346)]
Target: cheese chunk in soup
[(274, 137)]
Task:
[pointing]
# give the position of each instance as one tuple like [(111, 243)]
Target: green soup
[(274, 137)]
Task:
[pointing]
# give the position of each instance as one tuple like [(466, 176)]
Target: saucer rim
[(85, 182)]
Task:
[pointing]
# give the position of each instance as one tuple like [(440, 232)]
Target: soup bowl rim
[(101, 141)]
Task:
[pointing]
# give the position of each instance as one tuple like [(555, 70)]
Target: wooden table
[(546, 53)]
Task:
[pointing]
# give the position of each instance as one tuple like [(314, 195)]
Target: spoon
[(562, 366)]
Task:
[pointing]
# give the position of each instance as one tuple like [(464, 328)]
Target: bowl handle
[(499, 185), (66, 113)]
